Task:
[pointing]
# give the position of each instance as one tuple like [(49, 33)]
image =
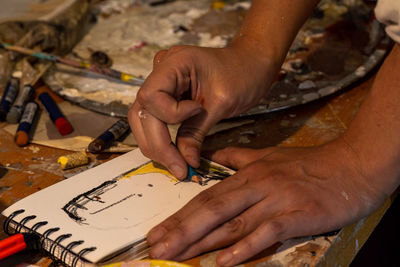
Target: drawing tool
[(107, 138), (8, 97), (16, 110), (24, 127), (191, 171), (62, 124), (17, 243), (73, 160), (126, 77)]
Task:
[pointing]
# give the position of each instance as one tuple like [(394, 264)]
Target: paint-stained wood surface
[(24, 171)]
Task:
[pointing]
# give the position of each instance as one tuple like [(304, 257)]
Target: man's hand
[(277, 194), (196, 87)]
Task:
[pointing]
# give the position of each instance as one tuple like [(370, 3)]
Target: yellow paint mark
[(336, 117), (85, 65), (126, 77), (218, 5), (148, 168)]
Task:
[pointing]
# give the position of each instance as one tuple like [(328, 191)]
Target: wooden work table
[(24, 171)]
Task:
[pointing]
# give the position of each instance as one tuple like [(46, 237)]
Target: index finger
[(161, 93)]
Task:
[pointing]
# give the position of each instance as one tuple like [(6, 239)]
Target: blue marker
[(10, 93)]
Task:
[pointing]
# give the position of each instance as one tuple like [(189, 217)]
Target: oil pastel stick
[(109, 136), (191, 174), (16, 110), (73, 160), (59, 120), (25, 125), (9, 95)]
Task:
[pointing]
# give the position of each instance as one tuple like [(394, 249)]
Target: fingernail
[(158, 250), (191, 154), (224, 259), (177, 170), (154, 236)]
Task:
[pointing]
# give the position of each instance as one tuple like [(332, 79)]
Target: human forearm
[(270, 27), (374, 134)]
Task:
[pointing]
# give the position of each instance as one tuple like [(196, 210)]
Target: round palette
[(340, 43)]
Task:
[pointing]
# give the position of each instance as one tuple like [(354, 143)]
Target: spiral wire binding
[(9, 219), (44, 237), (23, 222), (38, 225), (63, 256), (80, 255), (57, 242)]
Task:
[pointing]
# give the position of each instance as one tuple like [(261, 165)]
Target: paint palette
[(339, 44)]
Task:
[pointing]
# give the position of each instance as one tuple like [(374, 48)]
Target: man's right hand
[(197, 87)]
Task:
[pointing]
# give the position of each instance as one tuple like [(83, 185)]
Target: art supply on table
[(107, 210), (112, 73), (25, 125), (73, 160), (147, 263), (9, 95), (17, 243), (23, 97), (109, 136), (62, 124)]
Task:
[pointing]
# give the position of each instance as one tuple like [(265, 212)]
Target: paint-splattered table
[(24, 171)]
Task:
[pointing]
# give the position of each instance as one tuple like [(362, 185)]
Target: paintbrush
[(76, 64)]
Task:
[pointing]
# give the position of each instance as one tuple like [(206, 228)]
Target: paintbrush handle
[(77, 64)]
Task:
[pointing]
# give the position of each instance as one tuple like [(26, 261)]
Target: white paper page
[(105, 208)]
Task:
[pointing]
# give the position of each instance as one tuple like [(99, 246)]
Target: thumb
[(236, 157), (191, 135)]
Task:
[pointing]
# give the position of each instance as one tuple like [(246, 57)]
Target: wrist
[(268, 56), (378, 169)]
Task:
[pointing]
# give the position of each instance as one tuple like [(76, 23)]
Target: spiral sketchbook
[(102, 215)]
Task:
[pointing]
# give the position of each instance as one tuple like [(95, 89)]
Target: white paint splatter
[(34, 149), (244, 139), (308, 84), (345, 195), (360, 71)]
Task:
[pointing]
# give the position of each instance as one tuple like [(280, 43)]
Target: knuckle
[(217, 205), (159, 55), (240, 180), (180, 231), (236, 226), (248, 245), (222, 99), (192, 132), (205, 196), (172, 222), (277, 228), (176, 48), (229, 150), (143, 97)]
